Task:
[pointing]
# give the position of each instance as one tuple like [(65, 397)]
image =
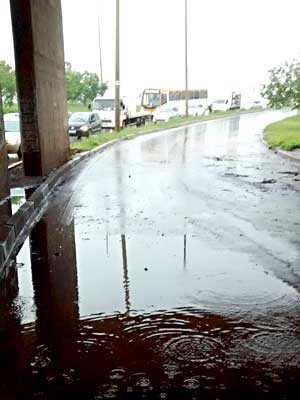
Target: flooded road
[(166, 267)]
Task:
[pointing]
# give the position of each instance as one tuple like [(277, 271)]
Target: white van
[(220, 105), (231, 102)]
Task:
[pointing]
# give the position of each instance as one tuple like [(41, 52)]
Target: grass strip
[(90, 143), (284, 134)]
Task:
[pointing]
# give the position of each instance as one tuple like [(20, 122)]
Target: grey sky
[(232, 43)]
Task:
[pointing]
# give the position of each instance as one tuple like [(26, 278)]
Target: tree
[(90, 86), (102, 88), (83, 87), (73, 83), (283, 88), (8, 83)]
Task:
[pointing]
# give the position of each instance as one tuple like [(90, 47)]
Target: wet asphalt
[(165, 267)]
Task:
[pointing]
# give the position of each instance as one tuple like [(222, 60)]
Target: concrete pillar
[(40, 73)]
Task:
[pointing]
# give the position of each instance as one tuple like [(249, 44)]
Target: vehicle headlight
[(84, 128)]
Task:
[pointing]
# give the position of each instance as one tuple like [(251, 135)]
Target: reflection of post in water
[(120, 191), (107, 243), (198, 138), (184, 251), (185, 138), (234, 129), (11, 339), (54, 274), (125, 272)]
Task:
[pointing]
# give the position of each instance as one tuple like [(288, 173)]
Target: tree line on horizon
[(81, 87)]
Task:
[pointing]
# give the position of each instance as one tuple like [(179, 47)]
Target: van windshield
[(104, 104), (12, 126)]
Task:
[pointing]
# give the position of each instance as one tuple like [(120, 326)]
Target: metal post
[(117, 77), (100, 53), (3, 158), (186, 64)]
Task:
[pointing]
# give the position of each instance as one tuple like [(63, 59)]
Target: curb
[(19, 225), (288, 155)]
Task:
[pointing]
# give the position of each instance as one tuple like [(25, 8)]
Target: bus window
[(164, 98), (151, 100)]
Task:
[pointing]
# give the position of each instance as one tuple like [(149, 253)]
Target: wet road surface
[(166, 267)]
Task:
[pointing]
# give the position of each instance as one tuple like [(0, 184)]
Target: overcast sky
[(232, 43)]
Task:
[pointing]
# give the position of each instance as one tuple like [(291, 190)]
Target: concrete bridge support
[(5, 208), (40, 73)]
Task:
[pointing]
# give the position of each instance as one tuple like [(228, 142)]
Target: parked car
[(252, 104), (164, 114), (195, 109), (220, 105), (84, 124), (12, 133)]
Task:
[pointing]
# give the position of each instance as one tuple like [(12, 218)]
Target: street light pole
[(117, 71), (186, 64), (100, 53)]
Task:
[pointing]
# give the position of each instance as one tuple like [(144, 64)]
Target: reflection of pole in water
[(184, 145), (233, 133), (125, 271), (184, 251), (120, 191), (106, 243), (122, 228), (11, 338), (54, 278)]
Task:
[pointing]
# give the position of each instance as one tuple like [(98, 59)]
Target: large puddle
[(113, 297), (94, 317)]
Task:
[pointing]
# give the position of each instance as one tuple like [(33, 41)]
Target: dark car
[(84, 124)]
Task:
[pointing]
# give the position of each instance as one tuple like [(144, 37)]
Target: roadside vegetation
[(284, 134), (283, 88), (77, 107), (90, 143), (81, 88)]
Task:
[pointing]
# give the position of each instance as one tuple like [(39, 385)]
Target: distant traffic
[(156, 105)]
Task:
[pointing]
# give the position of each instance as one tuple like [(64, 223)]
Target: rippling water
[(173, 336), (112, 297)]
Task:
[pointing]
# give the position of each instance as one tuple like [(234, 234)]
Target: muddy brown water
[(162, 269)]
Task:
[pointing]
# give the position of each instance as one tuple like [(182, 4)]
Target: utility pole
[(100, 53), (186, 64), (117, 75)]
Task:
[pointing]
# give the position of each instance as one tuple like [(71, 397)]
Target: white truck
[(105, 106), (230, 102)]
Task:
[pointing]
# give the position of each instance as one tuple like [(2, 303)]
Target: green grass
[(284, 134), (10, 109), (72, 107), (77, 107), (90, 143)]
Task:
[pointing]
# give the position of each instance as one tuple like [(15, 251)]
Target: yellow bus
[(152, 99)]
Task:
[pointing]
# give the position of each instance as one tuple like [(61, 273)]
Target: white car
[(250, 104), (12, 133), (195, 110), (220, 105), (164, 114)]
